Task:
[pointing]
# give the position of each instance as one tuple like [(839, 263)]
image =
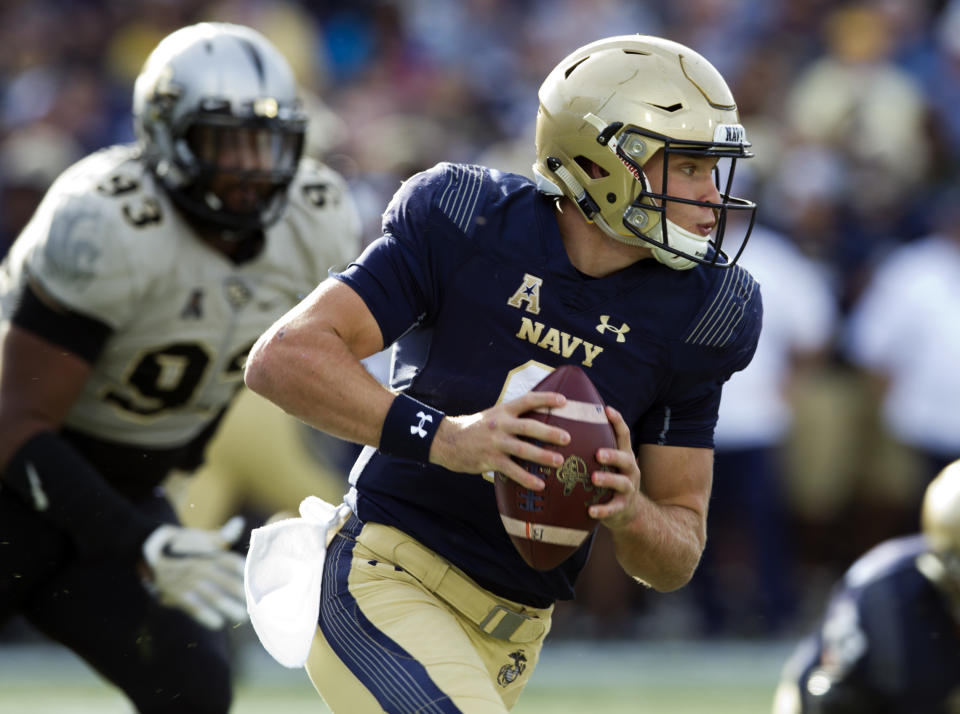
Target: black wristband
[(409, 428), (53, 478)]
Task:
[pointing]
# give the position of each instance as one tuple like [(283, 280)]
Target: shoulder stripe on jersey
[(459, 197), (662, 436), (719, 321)]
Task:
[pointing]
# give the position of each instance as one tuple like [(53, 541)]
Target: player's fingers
[(227, 574), (531, 451), (232, 529), (613, 480), (522, 477), (604, 510), (200, 610), (514, 471), (620, 429), (623, 462), (545, 433), (228, 603), (535, 400)]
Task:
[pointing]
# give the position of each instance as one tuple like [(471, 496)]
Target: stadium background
[(850, 106)]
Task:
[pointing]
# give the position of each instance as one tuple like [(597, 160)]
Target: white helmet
[(618, 101), (205, 90)]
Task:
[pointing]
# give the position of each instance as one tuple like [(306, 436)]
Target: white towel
[(282, 578)]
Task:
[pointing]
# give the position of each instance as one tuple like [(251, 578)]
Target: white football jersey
[(108, 243)]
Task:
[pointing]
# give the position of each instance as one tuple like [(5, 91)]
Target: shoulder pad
[(459, 195), (454, 190), (885, 558), (78, 244), (316, 185)]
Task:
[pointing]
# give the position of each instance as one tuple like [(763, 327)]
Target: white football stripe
[(578, 411), (557, 535)]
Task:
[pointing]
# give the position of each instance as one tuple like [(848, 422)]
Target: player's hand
[(624, 480), (195, 571), (486, 441)]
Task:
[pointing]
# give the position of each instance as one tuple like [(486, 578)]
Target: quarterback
[(129, 303), (483, 282)]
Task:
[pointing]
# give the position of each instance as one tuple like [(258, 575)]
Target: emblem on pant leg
[(509, 672)]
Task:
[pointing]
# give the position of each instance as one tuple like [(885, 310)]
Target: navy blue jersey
[(471, 282), (888, 643)]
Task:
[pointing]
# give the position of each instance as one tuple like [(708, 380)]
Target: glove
[(195, 571)]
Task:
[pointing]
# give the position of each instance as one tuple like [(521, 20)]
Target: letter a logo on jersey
[(528, 293)]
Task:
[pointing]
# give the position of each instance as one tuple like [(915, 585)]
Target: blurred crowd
[(826, 442)]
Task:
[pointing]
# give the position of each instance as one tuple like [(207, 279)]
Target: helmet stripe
[(257, 61)]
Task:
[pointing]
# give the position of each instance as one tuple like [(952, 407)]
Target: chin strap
[(681, 239)]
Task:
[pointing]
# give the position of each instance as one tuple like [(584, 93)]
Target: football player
[(129, 303), (484, 282), (889, 642)]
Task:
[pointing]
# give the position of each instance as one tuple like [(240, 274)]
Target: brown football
[(548, 526)]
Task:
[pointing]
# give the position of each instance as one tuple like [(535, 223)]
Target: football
[(548, 526)]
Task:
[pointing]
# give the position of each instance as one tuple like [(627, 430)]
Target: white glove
[(195, 571)]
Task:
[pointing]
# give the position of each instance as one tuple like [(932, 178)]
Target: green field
[(573, 677)]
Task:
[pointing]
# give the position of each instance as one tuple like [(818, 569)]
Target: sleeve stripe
[(459, 197), (720, 320), (662, 436)]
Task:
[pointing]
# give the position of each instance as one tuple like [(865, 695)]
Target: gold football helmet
[(940, 521), (617, 102)]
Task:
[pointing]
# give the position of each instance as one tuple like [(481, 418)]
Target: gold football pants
[(402, 631)]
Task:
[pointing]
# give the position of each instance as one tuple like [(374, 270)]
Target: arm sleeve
[(721, 340), (37, 313), (79, 258), (682, 419)]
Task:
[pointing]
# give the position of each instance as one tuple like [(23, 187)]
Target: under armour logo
[(418, 428), (605, 325)]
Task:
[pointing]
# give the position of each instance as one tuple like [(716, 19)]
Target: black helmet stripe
[(256, 59)]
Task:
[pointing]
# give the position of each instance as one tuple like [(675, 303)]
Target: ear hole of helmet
[(590, 167)]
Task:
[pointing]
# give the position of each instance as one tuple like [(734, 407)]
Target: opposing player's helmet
[(940, 520), (618, 101), (218, 100)]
